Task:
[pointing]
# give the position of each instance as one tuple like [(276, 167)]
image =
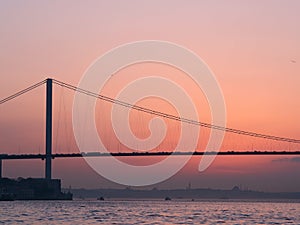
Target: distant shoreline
[(234, 194), (195, 200)]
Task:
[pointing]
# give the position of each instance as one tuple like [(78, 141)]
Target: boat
[(167, 198)]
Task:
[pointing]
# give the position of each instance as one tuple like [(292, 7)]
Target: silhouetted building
[(34, 189)]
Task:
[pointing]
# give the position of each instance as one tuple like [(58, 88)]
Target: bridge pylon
[(48, 165)]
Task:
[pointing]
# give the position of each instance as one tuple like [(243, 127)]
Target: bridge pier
[(48, 129)]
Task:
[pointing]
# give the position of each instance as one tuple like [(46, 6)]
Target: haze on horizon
[(252, 47)]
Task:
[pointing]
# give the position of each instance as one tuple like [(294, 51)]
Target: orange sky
[(252, 47)]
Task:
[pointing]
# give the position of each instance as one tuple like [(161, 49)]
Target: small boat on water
[(100, 198), (167, 198)]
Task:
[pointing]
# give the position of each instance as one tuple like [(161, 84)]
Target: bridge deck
[(128, 154)]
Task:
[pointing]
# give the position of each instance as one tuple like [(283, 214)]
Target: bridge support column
[(48, 128)]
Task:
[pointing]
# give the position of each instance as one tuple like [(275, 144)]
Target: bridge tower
[(48, 128)]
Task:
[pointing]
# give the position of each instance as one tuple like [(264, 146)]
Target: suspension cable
[(22, 92), (172, 117)]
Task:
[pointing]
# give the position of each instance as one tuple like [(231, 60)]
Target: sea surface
[(148, 212)]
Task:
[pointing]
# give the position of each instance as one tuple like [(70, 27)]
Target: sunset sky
[(251, 46)]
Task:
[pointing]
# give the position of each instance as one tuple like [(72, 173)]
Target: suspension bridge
[(49, 155)]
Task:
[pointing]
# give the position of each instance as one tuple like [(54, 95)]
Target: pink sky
[(252, 47)]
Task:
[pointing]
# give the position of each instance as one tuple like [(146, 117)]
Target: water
[(148, 212)]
